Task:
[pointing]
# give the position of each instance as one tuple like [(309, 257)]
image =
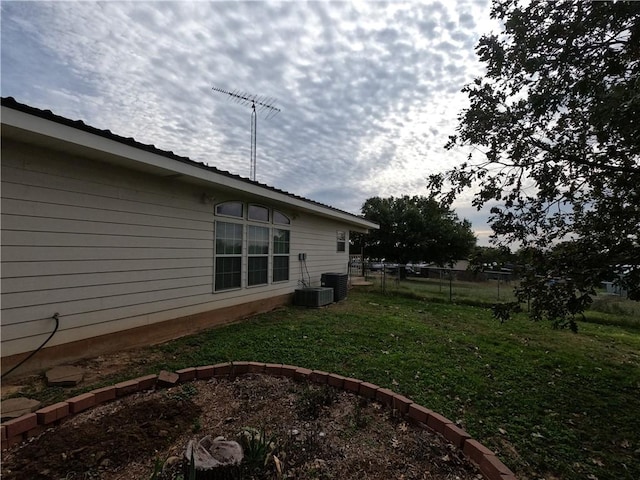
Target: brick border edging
[(29, 425)]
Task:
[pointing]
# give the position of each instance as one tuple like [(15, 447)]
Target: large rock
[(16, 407), (211, 454), (64, 376)]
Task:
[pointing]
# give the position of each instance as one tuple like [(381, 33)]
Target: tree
[(416, 229), (554, 128)]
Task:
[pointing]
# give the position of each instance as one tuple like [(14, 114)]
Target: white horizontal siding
[(83, 175), (88, 324), (16, 238), (77, 176), (95, 310), (12, 269), (48, 224), (79, 327), (102, 246), (95, 212), (99, 294), (77, 253), (110, 249), (64, 281), (103, 202), (317, 237)]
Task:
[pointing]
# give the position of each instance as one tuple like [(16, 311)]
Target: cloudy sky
[(368, 91)]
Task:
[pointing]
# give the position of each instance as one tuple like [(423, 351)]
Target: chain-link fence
[(437, 282)]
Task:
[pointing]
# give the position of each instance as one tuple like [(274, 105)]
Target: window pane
[(228, 238), (259, 213), (258, 240), (231, 209), (280, 241), (280, 218), (227, 273), (280, 269), (341, 245), (228, 262), (257, 270)]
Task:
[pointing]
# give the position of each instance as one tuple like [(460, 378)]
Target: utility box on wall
[(337, 281), (313, 297)]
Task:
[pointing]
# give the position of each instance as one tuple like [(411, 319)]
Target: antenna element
[(266, 105)]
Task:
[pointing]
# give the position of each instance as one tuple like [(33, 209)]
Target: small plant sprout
[(258, 449)]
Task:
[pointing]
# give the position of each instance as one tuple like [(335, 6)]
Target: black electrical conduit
[(56, 317)]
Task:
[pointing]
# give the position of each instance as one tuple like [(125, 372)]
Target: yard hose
[(56, 317)]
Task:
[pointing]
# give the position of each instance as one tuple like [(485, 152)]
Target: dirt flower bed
[(310, 431)]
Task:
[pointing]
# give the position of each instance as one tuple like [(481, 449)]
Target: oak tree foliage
[(554, 134), (416, 229)]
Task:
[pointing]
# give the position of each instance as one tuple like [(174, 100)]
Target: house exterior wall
[(111, 249)]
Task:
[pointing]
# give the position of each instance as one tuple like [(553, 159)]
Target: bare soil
[(316, 432)]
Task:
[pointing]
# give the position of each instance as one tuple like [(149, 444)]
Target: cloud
[(368, 91)]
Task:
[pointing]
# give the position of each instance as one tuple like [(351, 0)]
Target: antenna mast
[(265, 105)]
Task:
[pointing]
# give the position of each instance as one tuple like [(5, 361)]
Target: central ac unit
[(337, 281), (313, 296)]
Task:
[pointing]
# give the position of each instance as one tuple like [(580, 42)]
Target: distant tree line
[(414, 229)]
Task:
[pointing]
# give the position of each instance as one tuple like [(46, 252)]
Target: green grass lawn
[(606, 309), (551, 404)]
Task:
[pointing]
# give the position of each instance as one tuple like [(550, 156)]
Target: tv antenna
[(266, 106)]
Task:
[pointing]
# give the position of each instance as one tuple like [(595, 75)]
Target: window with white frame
[(264, 257), (258, 213), (280, 255), (230, 209), (258, 255), (341, 244), (228, 256), (280, 218)]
